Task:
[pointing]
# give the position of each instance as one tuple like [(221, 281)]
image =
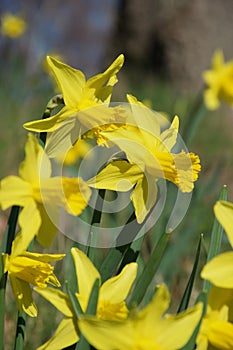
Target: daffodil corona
[(149, 157), (29, 269)]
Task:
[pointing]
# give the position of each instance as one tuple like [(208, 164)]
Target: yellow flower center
[(109, 311), (30, 270)]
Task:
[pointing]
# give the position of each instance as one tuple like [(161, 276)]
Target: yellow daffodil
[(216, 330), (147, 329), (219, 270), (39, 195), (77, 152), (111, 303), (219, 81), (149, 155), (85, 105), (12, 26), (29, 268)]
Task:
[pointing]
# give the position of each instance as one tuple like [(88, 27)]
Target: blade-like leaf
[(148, 273), (188, 290)]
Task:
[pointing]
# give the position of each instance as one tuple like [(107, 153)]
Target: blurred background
[(167, 46)]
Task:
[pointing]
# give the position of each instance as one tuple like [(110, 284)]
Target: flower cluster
[(105, 310)]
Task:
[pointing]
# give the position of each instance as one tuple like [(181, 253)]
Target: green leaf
[(215, 240), (191, 345), (148, 273), (91, 310), (188, 290), (74, 301)]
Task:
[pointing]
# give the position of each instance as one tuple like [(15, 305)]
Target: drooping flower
[(219, 81), (85, 105), (111, 303), (29, 269), (149, 157), (219, 270), (216, 330), (147, 329), (12, 26), (40, 196)]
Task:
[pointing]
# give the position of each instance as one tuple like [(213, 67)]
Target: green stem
[(20, 331), (96, 218)]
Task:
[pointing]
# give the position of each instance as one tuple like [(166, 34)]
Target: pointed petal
[(61, 140), (145, 118), (70, 81), (116, 289), (169, 136), (119, 175), (23, 296), (171, 333), (154, 311), (103, 82), (53, 123), (57, 298), (219, 270), (36, 161), (70, 193), (107, 335), (14, 191), (220, 335), (49, 224), (29, 228), (85, 271), (144, 196), (224, 213), (66, 334)]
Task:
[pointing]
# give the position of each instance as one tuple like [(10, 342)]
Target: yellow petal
[(57, 298), (220, 335), (145, 119), (66, 334), (171, 331), (70, 193), (224, 213), (70, 81), (49, 224), (219, 270), (108, 335), (119, 175), (169, 136), (36, 162), (23, 296), (14, 191), (117, 288), (154, 311), (29, 228), (61, 140), (53, 123), (103, 82), (85, 271), (144, 196)]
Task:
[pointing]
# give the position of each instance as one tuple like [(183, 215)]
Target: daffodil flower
[(216, 330), (86, 105), (219, 81), (12, 26), (40, 196), (219, 270), (149, 157), (76, 153), (26, 269), (147, 329), (111, 303)]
